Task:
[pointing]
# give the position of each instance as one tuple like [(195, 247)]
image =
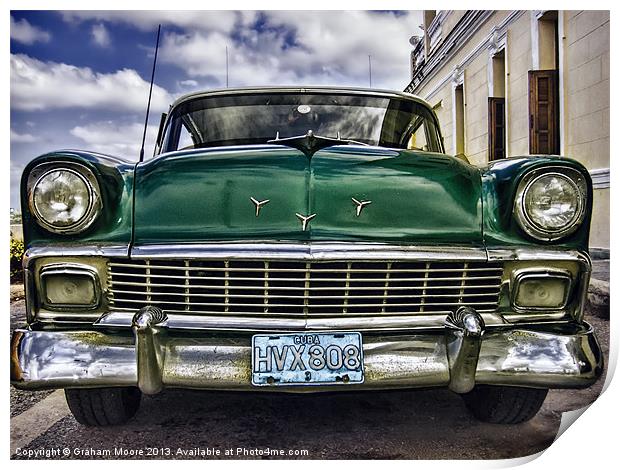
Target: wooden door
[(544, 112), (497, 128)]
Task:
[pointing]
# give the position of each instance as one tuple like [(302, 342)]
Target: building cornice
[(600, 178), (455, 41), (434, 29), (438, 20)]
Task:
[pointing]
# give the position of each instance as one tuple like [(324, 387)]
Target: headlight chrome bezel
[(94, 196), (574, 178)]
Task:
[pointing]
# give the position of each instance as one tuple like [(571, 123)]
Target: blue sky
[(80, 79)]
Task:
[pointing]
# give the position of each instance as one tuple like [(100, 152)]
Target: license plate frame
[(294, 350)]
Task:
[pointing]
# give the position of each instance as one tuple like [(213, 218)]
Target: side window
[(418, 140), (185, 139)]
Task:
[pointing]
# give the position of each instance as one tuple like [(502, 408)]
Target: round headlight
[(551, 205), (64, 200)]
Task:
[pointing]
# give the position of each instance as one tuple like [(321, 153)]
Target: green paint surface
[(205, 195), (113, 226)]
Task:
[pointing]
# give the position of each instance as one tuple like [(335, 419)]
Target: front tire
[(103, 406), (504, 405)]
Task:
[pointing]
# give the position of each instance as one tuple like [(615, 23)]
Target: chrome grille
[(302, 288)]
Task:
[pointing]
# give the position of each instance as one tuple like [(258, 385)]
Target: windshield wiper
[(310, 143)]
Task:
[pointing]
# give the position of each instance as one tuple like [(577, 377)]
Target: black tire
[(103, 406), (504, 405)]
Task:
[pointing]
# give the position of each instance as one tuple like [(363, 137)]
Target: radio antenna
[(148, 106), (226, 66)]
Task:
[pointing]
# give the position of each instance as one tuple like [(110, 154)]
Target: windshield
[(255, 118)]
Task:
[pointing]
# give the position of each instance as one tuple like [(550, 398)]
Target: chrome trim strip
[(310, 89), (539, 254), (314, 251), (311, 251), (107, 251), (49, 316), (122, 319), (584, 280), (225, 269), (30, 298)]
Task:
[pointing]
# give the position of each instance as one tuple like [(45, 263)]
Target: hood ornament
[(258, 204), (304, 220), (310, 143), (360, 205)]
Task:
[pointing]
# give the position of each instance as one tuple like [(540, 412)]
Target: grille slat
[(241, 313), (383, 296), (381, 279), (300, 288), (332, 306), (327, 288), (300, 270)]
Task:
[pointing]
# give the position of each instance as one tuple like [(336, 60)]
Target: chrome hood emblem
[(360, 205), (258, 204), (304, 219)]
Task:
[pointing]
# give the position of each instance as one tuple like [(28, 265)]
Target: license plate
[(307, 359)]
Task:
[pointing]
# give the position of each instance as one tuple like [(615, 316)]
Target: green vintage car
[(304, 240)]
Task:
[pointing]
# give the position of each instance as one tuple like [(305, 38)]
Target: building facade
[(512, 83)]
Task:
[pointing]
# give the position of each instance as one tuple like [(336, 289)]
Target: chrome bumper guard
[(460, 355)]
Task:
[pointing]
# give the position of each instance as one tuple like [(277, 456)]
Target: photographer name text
[(158, 452)]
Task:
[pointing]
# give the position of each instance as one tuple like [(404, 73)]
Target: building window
[(544, 112), (497, 108), (548, 49), (497, 128), (459, 120), (429, 16)]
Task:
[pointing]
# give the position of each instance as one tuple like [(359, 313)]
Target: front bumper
[(458, 356)]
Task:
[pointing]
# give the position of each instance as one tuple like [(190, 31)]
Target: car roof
[(291, 89)]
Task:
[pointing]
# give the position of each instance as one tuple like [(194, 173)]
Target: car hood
[(205, 195)]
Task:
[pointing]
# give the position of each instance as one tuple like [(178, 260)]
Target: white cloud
[(37, 85), (17, 138), (279, 47), (100, 35), (188, 83), (315, 47), (147, 20), (114, 138), (22, 31)]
